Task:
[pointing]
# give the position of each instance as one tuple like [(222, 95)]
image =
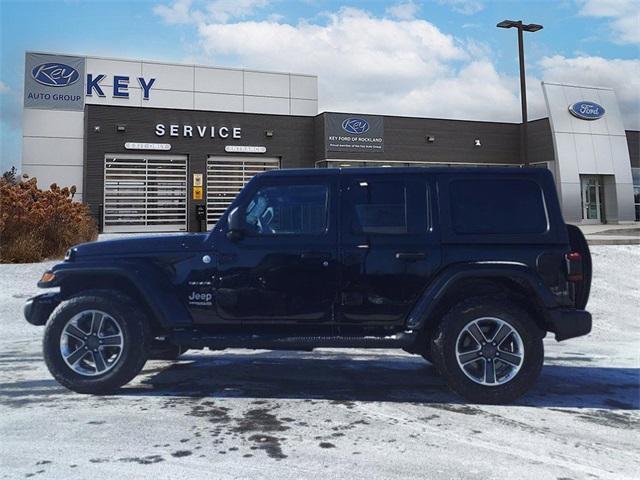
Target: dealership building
[(166, 147)]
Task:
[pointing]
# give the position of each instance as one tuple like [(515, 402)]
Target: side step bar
[(194, 339)]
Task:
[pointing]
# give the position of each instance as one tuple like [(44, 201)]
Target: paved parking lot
[(330, 413)]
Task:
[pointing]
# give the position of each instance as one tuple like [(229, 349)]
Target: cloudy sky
[(432, 58)]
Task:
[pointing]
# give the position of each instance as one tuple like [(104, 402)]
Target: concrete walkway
[(604, 234)]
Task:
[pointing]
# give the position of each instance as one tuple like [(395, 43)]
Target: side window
[(288, 209), (497, 206), (379, 208)]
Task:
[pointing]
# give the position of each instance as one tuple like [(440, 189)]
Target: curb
[(613, 241)]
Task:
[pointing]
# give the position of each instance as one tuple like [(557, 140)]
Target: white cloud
[(465, 7), (385, 65), (188, 11), (177, 13), (606, 8), (225, 10), (624, 15), (4, 88), (371, 64), (621, 75), (403, 11)]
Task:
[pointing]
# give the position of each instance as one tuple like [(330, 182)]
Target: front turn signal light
[(47, 277)]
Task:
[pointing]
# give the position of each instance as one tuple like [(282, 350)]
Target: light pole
[(532, 27)]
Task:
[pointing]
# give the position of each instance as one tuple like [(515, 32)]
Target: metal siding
[(405, 139), (633, 142)]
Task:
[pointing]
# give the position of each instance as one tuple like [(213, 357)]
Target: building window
[(635, 172), (335, 163)]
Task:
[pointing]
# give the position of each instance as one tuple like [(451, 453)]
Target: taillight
[(574, 266)]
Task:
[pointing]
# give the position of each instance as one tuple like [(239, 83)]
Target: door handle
[(227, 258), (411, 256), (315, 256)]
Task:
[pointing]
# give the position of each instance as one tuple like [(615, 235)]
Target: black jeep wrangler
[(467, 267)]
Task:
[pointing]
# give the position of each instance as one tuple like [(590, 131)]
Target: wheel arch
[(144, 287), (516, 283)]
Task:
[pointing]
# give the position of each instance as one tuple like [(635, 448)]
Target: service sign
[(54, 82), (354, 133)]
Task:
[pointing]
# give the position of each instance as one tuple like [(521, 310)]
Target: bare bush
[(39, 224)]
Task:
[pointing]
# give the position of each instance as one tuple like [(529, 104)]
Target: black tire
[(163, 350), (427, 356), (443, 348), (136, 341)]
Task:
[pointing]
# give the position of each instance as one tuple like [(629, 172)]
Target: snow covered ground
[(331, 413)]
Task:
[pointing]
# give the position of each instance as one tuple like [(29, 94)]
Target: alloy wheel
[(489, 351), (91, 343)]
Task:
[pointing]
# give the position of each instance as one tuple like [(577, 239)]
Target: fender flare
[(150, 281), (425, 306)]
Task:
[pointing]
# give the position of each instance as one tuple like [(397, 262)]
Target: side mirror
[(236, 224)]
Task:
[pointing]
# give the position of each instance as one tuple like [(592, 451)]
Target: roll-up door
[(225, 178), (145, 193)]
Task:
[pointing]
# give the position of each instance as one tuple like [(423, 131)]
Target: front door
[(591, 192), (389, 248), (284, 270)]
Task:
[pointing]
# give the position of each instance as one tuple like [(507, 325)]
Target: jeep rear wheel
[(96, 342), (489, 350)]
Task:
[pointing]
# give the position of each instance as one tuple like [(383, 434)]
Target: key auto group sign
[(59, 82), (54, 82)]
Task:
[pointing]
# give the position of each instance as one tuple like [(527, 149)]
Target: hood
[(145, 245)]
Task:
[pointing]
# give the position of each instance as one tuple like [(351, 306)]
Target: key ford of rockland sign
[(57, 82), (349, 133)]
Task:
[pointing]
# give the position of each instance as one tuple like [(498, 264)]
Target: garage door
[(225, 178), (145, 193)]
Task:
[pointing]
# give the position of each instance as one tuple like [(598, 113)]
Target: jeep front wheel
[(96, 342), (489, 350)]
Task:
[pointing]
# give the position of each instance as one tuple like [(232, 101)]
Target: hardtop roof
[(359, 171)]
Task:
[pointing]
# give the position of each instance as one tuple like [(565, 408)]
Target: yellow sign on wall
[(197, 193)]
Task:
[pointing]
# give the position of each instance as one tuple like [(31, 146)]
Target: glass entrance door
[(591, 190)]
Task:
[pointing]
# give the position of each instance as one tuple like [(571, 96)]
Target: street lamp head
[(532, 27), (507, 24)]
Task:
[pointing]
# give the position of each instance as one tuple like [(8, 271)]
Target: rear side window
[(500, 206), (380, 208)]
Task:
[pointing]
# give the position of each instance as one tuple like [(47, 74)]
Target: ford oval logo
[(586, 110), (357, 126), (55, 74)]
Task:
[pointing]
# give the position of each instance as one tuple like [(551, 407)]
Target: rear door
[(389, 249)]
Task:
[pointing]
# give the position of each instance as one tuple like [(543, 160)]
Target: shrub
[(39, 224)]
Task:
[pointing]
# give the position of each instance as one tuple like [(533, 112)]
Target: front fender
[(152, 285), (425, 306)]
